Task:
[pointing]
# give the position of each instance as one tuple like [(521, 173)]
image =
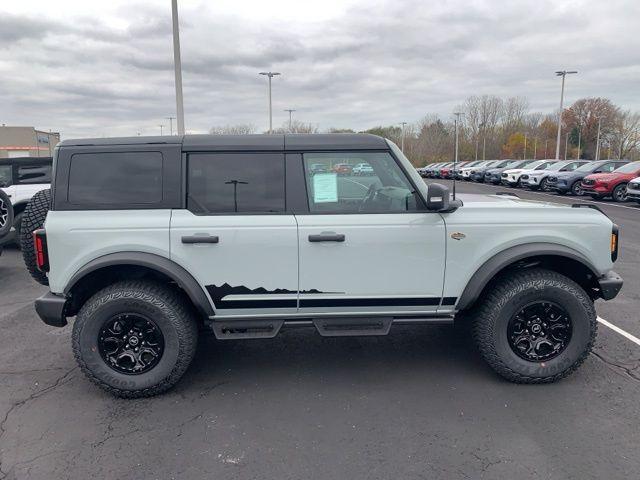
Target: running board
[(241, 329), (352, 326)]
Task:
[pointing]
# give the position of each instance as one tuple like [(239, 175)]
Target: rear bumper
[(51, 309), (610, 285)]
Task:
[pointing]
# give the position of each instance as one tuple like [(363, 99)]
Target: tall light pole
[(579, 139), (455, 160), (598, 142), (535, 148), (524, 153), (566, 144), (402, 137), (290, 110), (171, 119), (177, 65), (563, 74), (270, 75), (161, 127)]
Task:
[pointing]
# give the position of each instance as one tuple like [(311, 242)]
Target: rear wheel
[(619, 193), (135, 339), (544, 184), (33, 218), (535, 326)]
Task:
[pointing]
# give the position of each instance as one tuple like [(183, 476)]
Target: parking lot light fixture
[(598, 142), (177, 65), (563, 74), (455, 160), (270, 75), (402, 137), (290, 110), (171, 119)]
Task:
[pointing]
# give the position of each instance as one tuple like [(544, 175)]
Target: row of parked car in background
[(617, 179)]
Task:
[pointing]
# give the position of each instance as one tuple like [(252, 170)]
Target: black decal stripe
[(369, 302), (260, 303)]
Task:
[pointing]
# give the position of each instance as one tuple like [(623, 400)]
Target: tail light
[(40, 247), (614, 242)]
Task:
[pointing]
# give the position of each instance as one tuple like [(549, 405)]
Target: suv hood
[(477, 200), (603, 177), (514, 170)]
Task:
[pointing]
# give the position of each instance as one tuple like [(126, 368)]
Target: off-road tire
[(6, 214), (508, 295), (619, 194), (33, 218), (168, 310)]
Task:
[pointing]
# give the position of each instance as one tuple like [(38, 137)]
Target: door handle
[(327, 237), (191, 239)]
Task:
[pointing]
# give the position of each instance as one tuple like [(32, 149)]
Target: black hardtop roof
[(26, 161), (287, 142)]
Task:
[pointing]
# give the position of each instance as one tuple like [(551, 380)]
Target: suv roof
[(319, 141)]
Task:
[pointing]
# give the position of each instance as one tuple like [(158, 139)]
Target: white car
[(512, 176), (363, 169), (465, 172), (633, 190), (21, 179), (538, 178)]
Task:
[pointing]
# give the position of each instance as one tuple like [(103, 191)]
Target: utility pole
[(161, 127), (598, 142), (402, 138), (270, 75), (524, 153), (535, 148), (566, 145), (290, 110), (563, 74), (177, 65), (171, 119)]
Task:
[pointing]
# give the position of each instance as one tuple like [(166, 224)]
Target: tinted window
[(133, 178), (5, 175), (236, 182), (28, 174), (385, 190), (609, 167), (629, 168)]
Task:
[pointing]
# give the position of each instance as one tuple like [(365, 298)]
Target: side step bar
[(327, 327)]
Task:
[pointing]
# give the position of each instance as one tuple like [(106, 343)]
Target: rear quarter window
[(117, 179)]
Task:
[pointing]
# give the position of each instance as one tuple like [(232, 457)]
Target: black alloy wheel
[(539, 331), (131, 343), (576, 188)]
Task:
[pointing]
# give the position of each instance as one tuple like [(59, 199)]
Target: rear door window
[(116, 179), (229, 183), (5, 176), (30, 174)]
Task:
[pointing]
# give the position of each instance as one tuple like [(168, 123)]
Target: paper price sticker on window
[(325, 187)]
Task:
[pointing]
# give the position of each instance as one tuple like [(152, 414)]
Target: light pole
[(524, 153), (177, 65), (579, 139), (402, 138), (171, 119), (535, 148), (270, 75), (566, 144), (545, 147), (455, 160), (290, 110), (563, 74), (161, 127), (598, 142)]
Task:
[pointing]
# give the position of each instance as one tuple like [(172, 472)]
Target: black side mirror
[(437, 197)]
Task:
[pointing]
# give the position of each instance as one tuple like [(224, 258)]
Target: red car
[(614, 184), (342, 168)]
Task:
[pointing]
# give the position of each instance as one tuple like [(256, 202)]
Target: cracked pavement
[(416, 404)]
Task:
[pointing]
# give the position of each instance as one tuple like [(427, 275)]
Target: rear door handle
[(191, 239), (327, 237)]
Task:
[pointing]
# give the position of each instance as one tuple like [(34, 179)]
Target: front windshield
[(587, 167), (629, 168), (535, 165)]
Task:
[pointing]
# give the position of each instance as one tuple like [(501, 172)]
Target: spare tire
[(6, 214), (32, 219)]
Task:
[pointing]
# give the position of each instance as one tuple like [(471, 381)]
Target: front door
[(366, 245), (235, 237)]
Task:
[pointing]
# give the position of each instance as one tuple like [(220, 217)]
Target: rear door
[(235, 236), (366, 244)]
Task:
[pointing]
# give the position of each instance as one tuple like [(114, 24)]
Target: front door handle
[(327, 237), (191, 239)]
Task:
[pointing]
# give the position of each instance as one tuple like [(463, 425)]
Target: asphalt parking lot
[(416, 404)]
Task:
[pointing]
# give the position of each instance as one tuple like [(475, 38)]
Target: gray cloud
[(379, 63)]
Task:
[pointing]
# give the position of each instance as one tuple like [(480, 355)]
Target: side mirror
[(437, 197)]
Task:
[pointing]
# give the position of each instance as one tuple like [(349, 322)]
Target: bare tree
[(297, 127), (240, 129), (625, 135)]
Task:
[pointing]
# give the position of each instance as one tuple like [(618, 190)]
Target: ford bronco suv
[(149, 241)]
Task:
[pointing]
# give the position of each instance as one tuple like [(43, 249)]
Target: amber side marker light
[(614, 242)]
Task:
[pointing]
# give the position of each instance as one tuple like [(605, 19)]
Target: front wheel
[(135, 338), (576, 188), (535, 326), (6, 214), (619, 193), (544, 185)]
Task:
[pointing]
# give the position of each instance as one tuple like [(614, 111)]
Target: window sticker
[(325, 187)]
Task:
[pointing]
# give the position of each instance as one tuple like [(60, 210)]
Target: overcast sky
[(89, 68)]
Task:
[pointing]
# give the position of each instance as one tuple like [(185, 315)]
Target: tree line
[(493, 128)]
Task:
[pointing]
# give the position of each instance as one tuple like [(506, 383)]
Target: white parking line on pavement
[(627, 335)]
